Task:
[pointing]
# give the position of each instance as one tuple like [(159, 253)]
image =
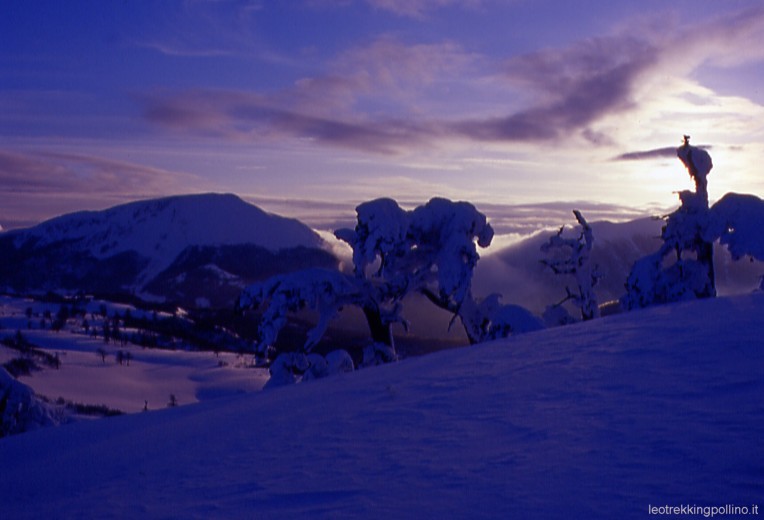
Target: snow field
[(594, 420), (152, 374)]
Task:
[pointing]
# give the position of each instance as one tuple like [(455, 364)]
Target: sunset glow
[(310, 107)]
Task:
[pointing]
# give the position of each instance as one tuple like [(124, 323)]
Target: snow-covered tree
[(736, 220), (431, 250), (686, 235), (699, 164), (571, 256)]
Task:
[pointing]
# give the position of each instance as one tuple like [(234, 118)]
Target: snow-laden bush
[(318, 367), (291, 367), (336, 362), (21, 410), (339, 362), (378, 354), (287, 369), (556, 315), (488, 319)]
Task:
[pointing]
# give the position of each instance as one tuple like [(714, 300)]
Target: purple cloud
[(577, 86), (404, 8), (657, 153), (240, 118), (419, 8), (574, 87), (64, 173), (327, 108)]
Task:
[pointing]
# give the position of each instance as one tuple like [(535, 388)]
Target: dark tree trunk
[(706, 259), (380, 333)]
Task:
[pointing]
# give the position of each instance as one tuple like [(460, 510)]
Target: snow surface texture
[(160, 229), (657, 407)]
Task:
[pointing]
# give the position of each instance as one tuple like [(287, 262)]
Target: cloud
[(507, 219), (386, 97), (418, 8), (239, 117), (657, 153), (330, 109), (526, 219), (576, 85), (35, 185), (723, 41), (61, 173)]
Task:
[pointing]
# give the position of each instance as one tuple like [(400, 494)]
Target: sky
[(309, 107)]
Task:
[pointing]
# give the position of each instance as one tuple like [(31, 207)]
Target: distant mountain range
[(201, 250), (194, 250)]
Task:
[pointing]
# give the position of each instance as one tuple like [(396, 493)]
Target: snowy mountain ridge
[(602, 419), (160, 229), (130, 248)]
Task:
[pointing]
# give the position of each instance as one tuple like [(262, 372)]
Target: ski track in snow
[(597, 420)]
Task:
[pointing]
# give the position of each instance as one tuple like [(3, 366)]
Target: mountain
[(197, 250), (605, 419)]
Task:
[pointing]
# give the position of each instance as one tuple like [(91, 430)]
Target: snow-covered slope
[(598, 420), (127, 247)]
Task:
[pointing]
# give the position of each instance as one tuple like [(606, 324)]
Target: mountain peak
[(170, 224), (141, 239)]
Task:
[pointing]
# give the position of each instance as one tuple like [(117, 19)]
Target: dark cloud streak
[(578, 85), (657, 153), (242, 117)]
